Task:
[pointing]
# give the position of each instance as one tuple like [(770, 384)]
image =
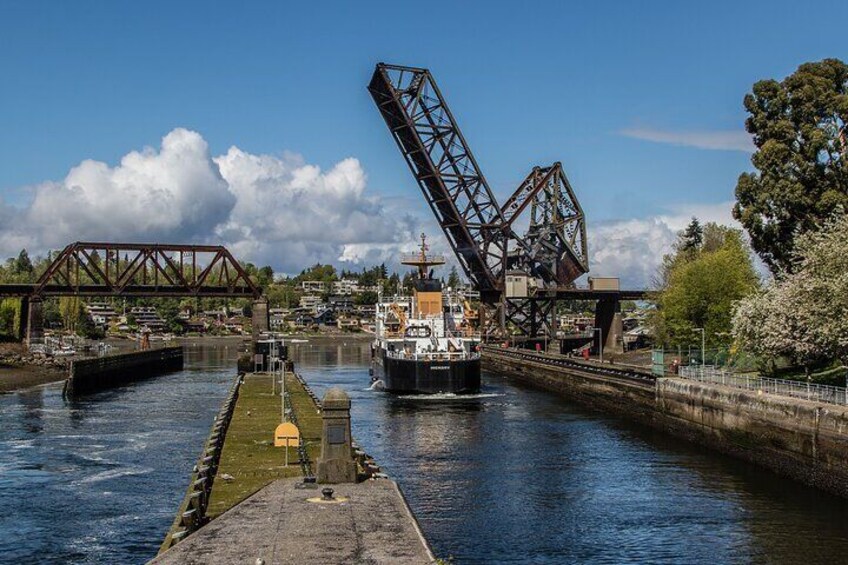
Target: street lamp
[(600, 342), (703, 349)]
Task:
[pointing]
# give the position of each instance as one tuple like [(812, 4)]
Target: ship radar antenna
[(421, 260)]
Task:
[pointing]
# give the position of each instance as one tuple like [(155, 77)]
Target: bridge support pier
[(608, 318), (261, 322), (23, 317), (34, 314)]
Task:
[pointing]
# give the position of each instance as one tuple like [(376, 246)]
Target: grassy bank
[(249, 455)]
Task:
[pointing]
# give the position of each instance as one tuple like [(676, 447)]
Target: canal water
[(513, 475), (99, 480), (518, 475)]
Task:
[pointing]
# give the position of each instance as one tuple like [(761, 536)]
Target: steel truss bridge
[(481, 232), (140, 270), (131, 269)]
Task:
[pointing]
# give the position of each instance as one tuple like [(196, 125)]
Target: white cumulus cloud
[(291, 214), (267, 209), (632, 249), (173, 194)]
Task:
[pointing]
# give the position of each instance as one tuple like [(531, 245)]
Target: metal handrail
[(433, 355), (780, 387)]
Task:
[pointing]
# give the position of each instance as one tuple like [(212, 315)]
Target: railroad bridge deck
[(139, 270)]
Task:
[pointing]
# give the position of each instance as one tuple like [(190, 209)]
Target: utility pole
[(282, 391)]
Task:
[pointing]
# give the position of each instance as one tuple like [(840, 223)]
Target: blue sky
[(627, 95)]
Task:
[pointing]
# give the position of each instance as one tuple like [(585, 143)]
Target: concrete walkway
[(280, 526)]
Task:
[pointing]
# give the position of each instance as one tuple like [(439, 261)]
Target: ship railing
[(433, 355), (466, 333)]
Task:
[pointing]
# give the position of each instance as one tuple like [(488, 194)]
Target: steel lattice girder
[(519, 317), (557, 232), (101, 269), (530, 317), (442, 163), (478, 230)]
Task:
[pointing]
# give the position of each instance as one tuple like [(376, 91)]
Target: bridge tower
[(482, 234)]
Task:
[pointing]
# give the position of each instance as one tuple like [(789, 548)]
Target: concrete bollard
[(188, 519), (195, 501), (336, 464)]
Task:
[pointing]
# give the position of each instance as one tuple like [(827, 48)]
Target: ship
[(426, 343)]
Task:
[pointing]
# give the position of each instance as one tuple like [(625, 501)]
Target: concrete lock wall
[(803, 440), (627, 398), (112, 370)]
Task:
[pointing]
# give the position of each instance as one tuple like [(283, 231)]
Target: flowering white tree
[(803, 315)]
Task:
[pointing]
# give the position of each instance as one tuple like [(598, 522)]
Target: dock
[(249, 455), (261, 511), (279, 525)]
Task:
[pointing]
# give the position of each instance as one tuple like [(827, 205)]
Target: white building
[(346, 287), (101, 313), (277, 318), (311, 302), (146, 316), (313, 286)]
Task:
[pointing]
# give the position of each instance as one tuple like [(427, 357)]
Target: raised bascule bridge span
[(521, 277), (99, 269)]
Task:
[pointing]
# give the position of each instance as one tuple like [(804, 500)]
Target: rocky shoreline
[(20, 369)]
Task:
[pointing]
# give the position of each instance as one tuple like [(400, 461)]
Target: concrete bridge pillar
[(261, 322), (23, 317), (336, 464), (34, 320), (608, 318)]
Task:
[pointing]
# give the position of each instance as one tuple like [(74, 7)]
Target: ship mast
[(422, 261), (427, 300)]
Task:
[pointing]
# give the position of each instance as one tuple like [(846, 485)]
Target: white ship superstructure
[(427, 342)]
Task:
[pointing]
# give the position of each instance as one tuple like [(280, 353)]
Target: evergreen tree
[(453, 278), (693, 236), (23, 264), (801, 157)]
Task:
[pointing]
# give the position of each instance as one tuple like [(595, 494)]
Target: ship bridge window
[(417, 331)]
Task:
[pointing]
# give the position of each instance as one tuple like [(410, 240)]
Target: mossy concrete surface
[(249, 455)]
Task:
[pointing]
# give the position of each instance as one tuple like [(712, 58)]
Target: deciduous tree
[(804, 314), (701, 287)]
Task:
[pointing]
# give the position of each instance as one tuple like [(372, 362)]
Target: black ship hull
[(409, 376)]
